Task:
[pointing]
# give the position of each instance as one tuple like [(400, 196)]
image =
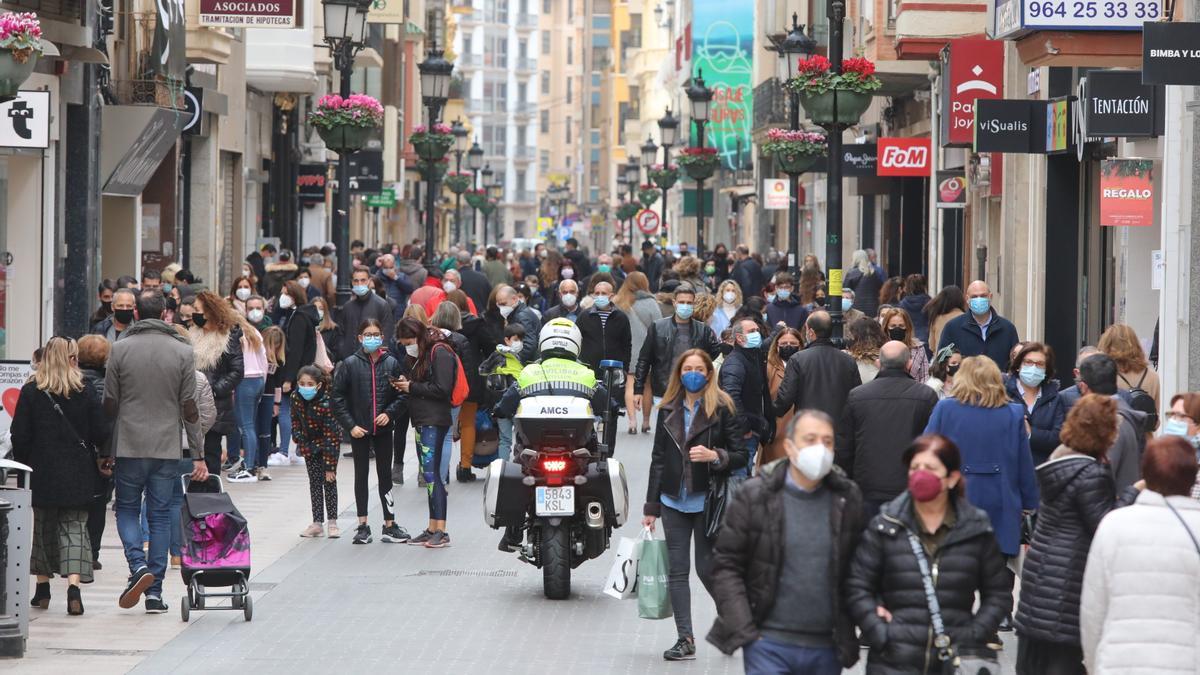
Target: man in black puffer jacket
[(744, 377)]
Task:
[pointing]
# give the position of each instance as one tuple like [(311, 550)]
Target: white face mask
[(286, 302), (304, 282), (242, 294), (568, 299), (814, 461), (411, 350), (505, 310), (320, 313), (246, 272), (729, 297), (255, 315), (449, 286), (568, 273)]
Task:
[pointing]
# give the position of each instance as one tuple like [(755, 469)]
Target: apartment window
[(544, 161), (496, 11), (570, 50), (546, 83), (546, 43), (544, 125), (547, 6), (523, 49), (521, 181), (495, 94), (494, 140), (519, 228), (570, 89), (522, 135), (568, 158), (570, 8), (467, 44), (522, 92), (496, 51), (570, 123)]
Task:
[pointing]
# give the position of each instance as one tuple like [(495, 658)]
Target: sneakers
[(242, 476), (296, 460), (155, 605), (438, 540), (234, 467), (362, 535), (684, 650), (420, 539), (314, 530), (465, 475), (331, 529), (261, 474), (394, 534), (398, 474), (139, 581), (277, 459)]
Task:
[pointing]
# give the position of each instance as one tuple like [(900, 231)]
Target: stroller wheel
[(248, 608), (185, 611), (238, 601), (199, 602)]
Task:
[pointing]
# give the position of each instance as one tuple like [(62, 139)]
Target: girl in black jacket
[(885, 589), (365, 406), (430, 371), (698, 436), (217, 342)]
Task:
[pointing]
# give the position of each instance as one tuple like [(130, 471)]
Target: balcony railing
[(484, 106), (524, 108), (524, 197), (470, 60), (523, 153), (770, 105), (527, 21), (526, 64)]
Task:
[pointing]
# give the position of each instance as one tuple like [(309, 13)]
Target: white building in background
[(498, 46)]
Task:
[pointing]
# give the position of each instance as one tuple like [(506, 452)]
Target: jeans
[(185, 467), (262, 425), (506, 437), (153, 478), (679, 529), (245, 402), (430, 448), (448, 445), (751, 445), (771, 657), (285, 425)]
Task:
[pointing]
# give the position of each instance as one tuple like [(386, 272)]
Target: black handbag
[(721, 488)]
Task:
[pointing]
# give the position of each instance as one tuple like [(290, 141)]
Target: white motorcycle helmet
[(560, 338)]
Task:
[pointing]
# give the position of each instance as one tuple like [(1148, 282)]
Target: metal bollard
[(12, 642)]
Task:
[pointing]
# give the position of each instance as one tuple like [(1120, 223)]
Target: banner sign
[(1116, 103), (859, 160), (723, 54), (1058, 126), (25, 120), (776, 194), (1171, 53), (1015, 18), (1010, 125), (1127, 192), (951, 189), (976, 71), (310, 183), (366, 172), (248, 13), (904, 157)]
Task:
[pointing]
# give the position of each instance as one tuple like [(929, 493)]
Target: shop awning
[(136, 138)]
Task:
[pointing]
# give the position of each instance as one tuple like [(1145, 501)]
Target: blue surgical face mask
[(604, 268), (770, 297), (360, 290), (371, 343), (307, 393), (1032, 376), (847, 303), (979, 306), (683, 311), (1175, 427), (166, 288), (782, 294), (753, 340), (601, 301), (693, 380)]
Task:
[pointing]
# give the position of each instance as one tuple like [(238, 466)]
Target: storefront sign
[(386, 199), (1010, 125), (1171, 53), (141, 136), (366, 171), (1116, 103), (860, 160), (904, 157), (1127, 192), (193, 110), (976, 71), (25, 120), (723, 53), (776, 194), (1015, 18), (387, 11), (310, 183), (248, 13), (951, 189), (1058, 126)]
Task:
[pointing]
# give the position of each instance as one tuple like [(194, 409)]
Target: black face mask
[(951, 370), (819, 301), (106, 306), (896, 334), (199, 320), (123, 316), (786, 353), (726, 349), (171, 304)]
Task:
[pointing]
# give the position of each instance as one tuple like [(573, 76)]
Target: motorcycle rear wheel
[(556, 561)]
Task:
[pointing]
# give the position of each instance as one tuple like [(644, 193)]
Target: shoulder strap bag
[(83, 445), (1185, 525), (721, 488), (953, 662)]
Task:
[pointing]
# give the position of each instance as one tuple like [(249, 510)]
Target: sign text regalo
[(1127, 192)]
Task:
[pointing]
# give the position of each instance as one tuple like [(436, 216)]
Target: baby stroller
[(216, 548)]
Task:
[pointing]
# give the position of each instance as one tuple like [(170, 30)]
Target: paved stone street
[(326, 604)]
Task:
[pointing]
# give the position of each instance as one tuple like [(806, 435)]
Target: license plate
[(555, 501)]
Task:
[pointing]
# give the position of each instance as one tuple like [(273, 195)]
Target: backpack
[(1141, 401), (461, 387)]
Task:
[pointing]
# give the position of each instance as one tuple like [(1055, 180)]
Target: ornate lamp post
[(489, 179), (668, 135), (474, 164), (632, 172), (496, 193), (460, 146), (649, 153), (700, 97), (345, 33), (794, 44), (435, 89)]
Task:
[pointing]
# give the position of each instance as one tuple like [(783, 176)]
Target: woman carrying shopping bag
[(697, 439)]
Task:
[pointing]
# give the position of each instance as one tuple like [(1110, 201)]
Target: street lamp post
[(622, 191), (649, 153), (345, 33), (489, 179), (435, 73), (496, 192), (833, 225), (795, 43), (632, 173), (668, 135), (700, 97), (460, 146), (474, 164)]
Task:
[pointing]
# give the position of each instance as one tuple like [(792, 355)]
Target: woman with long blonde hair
[(56, 429), (698, 440), (729, 301)]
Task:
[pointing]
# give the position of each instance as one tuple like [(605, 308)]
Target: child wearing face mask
[(501, 370), (318, 436)]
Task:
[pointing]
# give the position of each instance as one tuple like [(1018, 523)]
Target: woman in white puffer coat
[(1140, 610)]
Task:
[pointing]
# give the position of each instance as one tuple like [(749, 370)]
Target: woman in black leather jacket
[(365, 405), (698, 437), (217, 342), (1077, 491), (885, 589)]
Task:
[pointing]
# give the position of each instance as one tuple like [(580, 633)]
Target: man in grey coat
[(1098, 375), (150, 393)]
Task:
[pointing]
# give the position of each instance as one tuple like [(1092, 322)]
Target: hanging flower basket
[(647, 195), (488, 206), (627, 210), (699, 163), (432, 144), (346, 124), (20, 47), (816, 84), (795, 151), (432, 170), (477, 199), (664, 177), (458, 183)]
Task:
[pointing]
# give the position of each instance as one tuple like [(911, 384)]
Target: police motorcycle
[(561, 493)]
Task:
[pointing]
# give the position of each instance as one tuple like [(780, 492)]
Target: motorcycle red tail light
[(554, 465)]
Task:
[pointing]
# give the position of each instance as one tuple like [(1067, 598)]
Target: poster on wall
[(1127, 192), (723, 53), (951, 189), (12, 377), (776, 194)]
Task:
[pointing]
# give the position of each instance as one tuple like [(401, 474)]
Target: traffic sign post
[(386, 199), (647, 221)]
